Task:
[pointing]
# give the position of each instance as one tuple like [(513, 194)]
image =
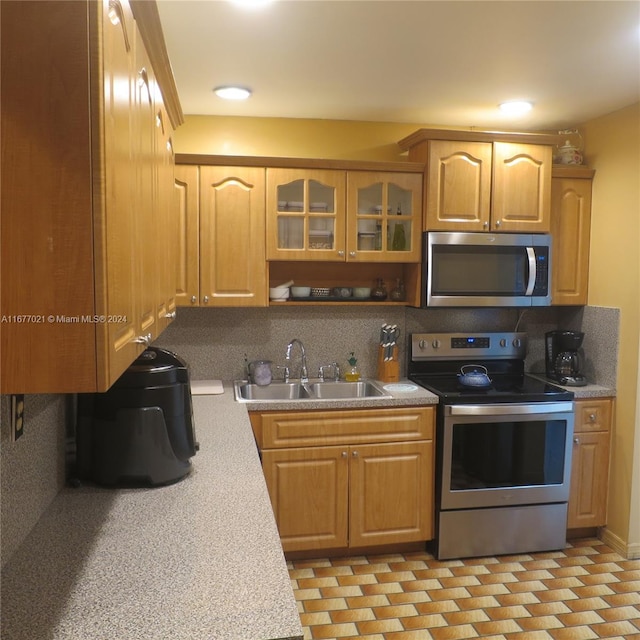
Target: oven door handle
[(507, 409)]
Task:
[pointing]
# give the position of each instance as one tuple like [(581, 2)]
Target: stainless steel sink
[(345, 390), (314, 390), (246, 391)]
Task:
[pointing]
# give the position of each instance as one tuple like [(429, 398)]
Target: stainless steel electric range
[(503, 445)]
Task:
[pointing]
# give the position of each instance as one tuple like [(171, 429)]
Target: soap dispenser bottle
[(352, 374)]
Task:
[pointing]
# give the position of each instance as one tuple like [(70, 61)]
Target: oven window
[(479, 270), (507, 454)]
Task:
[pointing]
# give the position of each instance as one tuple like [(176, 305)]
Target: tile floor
[(585, 591)]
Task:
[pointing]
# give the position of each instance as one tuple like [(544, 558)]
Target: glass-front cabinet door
[(384, 216), (305, 214)]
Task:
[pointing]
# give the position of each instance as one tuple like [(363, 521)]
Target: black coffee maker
[(562, 358)]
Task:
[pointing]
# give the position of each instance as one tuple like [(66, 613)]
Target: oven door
[(505, 454)]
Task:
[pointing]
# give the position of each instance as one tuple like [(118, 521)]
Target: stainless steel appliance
[(486, 269), (503, 449), (562, 359), (140, 431)]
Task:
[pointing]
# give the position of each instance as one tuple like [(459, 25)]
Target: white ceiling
[(441, 63)]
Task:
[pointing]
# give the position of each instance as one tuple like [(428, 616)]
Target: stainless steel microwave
[(486, 269)]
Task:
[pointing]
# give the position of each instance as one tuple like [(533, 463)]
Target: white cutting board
[(206, 387)]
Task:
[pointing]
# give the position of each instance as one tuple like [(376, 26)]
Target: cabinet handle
[(205, 299), (341, 253), (344, 454), (193, 299), (592, 417), (498, 223), (576, 440), (485, 225), (146, 340), (171, 314), (352, 254), (355, 454), (116, 17)]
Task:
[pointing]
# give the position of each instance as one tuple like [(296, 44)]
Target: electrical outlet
[(17, 416)]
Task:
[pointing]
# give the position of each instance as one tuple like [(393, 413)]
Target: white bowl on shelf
[(278, 293), (300, 292)]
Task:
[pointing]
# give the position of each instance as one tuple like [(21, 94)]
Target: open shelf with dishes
[(345, 283)]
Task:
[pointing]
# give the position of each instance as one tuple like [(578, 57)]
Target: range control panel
[(457, 346)]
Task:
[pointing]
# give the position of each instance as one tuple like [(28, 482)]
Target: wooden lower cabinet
[(590, 464), (353, 486)]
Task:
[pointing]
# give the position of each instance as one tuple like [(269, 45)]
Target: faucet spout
[(304, 372)]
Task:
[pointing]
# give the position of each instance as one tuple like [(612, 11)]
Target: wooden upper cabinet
[(91, 293), (484, 181), (571, 231), (384, 217), (305, 214), (232, 237), (458, 186), (521, 195), (185, 228)]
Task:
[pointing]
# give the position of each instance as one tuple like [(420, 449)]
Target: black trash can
[(140, 432)]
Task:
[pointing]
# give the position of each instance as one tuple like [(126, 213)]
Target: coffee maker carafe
[(562, 358)]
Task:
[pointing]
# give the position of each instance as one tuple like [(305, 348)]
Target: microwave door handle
[(531, 256)]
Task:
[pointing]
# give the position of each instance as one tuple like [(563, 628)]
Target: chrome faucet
[(304, 373)]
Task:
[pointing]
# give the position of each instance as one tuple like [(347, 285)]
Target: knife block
[(388, 370)]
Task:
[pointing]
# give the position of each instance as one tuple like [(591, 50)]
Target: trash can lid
[(154, 367)]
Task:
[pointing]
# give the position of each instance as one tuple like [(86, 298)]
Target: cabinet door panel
[(309, 494), (391, 493), (305, 214), (521, 198), (185, 232), (232, 239), (458, 186), (589, 480), (120, 276), (571, 229)]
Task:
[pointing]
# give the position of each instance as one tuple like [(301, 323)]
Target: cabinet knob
[(344, 454), (205, 299), (355, 454), (171, 315), (341, 253), (592, 417), (485, 225), (145, 340), (576, 440), (498, 223), (194, 299), (352, 254)]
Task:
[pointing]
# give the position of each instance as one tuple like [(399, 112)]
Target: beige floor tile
[(580, 618), (351, 615), (586, 604), (425, 621), (539, 623), (454, 633), (326, 604), (511, 599), (375, 589), (341, 592), (503, 613), (316, 583), (573, 633), (467, 617), (497, 626), (408, 596), (334, 630), (395, 611), (321, 617), (379, 626), (367, 601), (348, 581), (482, 602), (620, 613)]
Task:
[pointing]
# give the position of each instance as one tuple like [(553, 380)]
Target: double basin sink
[(313, 390)]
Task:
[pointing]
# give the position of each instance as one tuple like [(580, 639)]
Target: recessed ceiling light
[(516, 107), (232, 93)]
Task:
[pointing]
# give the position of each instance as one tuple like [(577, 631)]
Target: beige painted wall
[(612, 148), (281, 137)]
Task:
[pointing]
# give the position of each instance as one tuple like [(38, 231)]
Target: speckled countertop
[(199, 560), (588, 391)]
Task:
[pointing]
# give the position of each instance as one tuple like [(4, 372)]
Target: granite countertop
[(588, 391), (200, 559)]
